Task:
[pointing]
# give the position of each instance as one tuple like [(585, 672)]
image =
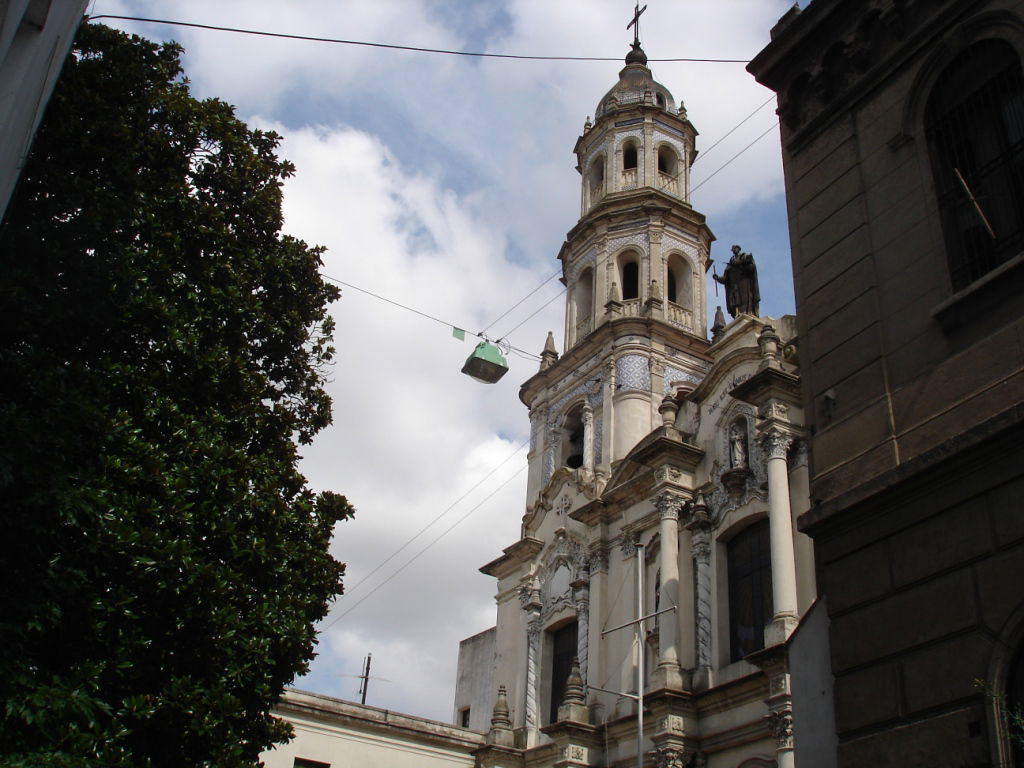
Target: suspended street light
[(485, 364)]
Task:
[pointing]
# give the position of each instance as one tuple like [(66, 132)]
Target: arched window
[(678, 282), (630, 277), (666, 160), (572, 438), (629, 155), (974, 122), (750, 589), (583, 303)]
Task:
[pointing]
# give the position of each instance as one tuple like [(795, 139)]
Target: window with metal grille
[(974, 122), (750, 589)]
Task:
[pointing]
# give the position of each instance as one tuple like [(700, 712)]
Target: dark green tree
[(162, 353)]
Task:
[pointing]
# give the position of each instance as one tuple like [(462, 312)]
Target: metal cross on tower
[(635, 23)]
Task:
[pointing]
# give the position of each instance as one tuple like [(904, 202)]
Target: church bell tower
[(634, 270)]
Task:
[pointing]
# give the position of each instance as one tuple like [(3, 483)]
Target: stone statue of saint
[(737, 445), (740, 281)]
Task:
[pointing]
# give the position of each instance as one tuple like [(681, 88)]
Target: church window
[(660, 99), (572, 438), (974, 122), (630, 279), (678, 281), (629, 156), (302, 762), (750, 589), (583, 303), (666, 160), (464, 717), (563, 650)]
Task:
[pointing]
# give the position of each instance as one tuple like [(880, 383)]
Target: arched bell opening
[(668, 169), (573, 438), (582, 305), (629, 273), (630, 158)]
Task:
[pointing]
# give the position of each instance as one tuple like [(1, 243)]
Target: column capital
[(670, 757), (775, 443), (628, 544), (598, 557), (780, 722), (669, 504)]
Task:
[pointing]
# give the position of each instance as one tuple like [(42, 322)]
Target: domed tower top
[(635, 80), (639, 250)]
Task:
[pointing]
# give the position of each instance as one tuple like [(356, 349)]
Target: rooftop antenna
[(365, 678)]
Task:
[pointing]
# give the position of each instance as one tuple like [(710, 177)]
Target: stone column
[(775, 444), (700, 529), (668, 673), (588, 437)]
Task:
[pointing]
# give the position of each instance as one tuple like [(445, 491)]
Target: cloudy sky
[(447, 184)]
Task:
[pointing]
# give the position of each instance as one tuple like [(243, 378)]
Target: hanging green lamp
[(486, 364)]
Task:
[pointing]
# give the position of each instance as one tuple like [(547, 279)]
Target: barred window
[(974, 122)]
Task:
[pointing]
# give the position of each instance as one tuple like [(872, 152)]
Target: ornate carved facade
[(662, 482)]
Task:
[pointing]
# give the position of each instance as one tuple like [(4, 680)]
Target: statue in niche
[(738, 445), (740, 281)]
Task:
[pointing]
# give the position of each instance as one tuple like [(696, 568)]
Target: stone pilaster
[(588, 438), (700, 525)]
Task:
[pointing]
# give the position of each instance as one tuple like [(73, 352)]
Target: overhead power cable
[(423, 551), (514, 306), (532, 314), (424, 529), (732, 130), (771, 128), (418, 312), (338, 41)]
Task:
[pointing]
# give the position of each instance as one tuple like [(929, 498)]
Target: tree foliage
[(162, 349)]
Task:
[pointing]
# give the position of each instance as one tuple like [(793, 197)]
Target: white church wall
[(331, 733), (474, 685)]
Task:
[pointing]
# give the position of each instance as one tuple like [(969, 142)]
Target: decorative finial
[(574, 684), (549, 355), (718, 326), (501, 724), (573, 706), (500, 717)]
